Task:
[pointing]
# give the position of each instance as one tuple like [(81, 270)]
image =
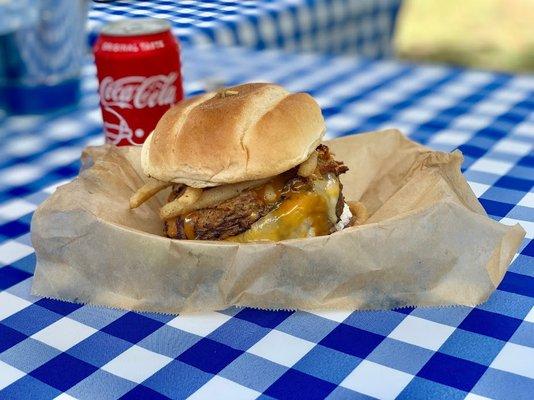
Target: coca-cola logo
[(138, 91)]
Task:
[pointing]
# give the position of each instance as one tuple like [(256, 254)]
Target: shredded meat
[(236, 215), (326, 162), (228, 218), (340, 202)]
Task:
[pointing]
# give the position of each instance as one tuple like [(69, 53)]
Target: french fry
[(146, 191), (219, 194), (181, 205), (208, 198), (359, 212), (308, 167)]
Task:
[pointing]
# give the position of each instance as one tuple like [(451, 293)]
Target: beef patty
[(236, 215)]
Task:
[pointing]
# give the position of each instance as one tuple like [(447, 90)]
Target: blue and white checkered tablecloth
[(362, 27), (51, 348)]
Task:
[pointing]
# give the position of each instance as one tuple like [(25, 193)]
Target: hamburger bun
[(243, 133)]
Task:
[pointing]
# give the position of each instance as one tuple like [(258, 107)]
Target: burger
[(244, 164)]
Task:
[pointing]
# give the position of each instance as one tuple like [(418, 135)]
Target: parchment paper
[(427, 242)]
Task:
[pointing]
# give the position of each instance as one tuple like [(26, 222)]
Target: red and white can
[(138, 68)]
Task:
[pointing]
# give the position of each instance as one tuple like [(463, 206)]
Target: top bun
[(241, 133)]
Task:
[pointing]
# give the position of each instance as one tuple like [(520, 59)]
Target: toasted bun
[(256, 131)]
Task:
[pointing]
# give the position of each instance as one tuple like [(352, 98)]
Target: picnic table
[(332, 26), (51, 348)]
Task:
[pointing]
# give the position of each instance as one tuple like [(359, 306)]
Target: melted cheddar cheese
[(302, 214)]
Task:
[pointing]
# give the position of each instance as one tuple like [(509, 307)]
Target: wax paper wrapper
[(427, 241)]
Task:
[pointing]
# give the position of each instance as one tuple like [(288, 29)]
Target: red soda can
[(138, 68)]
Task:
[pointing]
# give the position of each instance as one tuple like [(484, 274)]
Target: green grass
[(487, 34)]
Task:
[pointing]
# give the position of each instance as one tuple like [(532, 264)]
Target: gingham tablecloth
[(49, 348), (332, 26)]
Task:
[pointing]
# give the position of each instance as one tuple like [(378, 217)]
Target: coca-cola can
[(138, 68)]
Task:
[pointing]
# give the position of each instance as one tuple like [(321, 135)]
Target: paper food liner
[(427, 242)]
